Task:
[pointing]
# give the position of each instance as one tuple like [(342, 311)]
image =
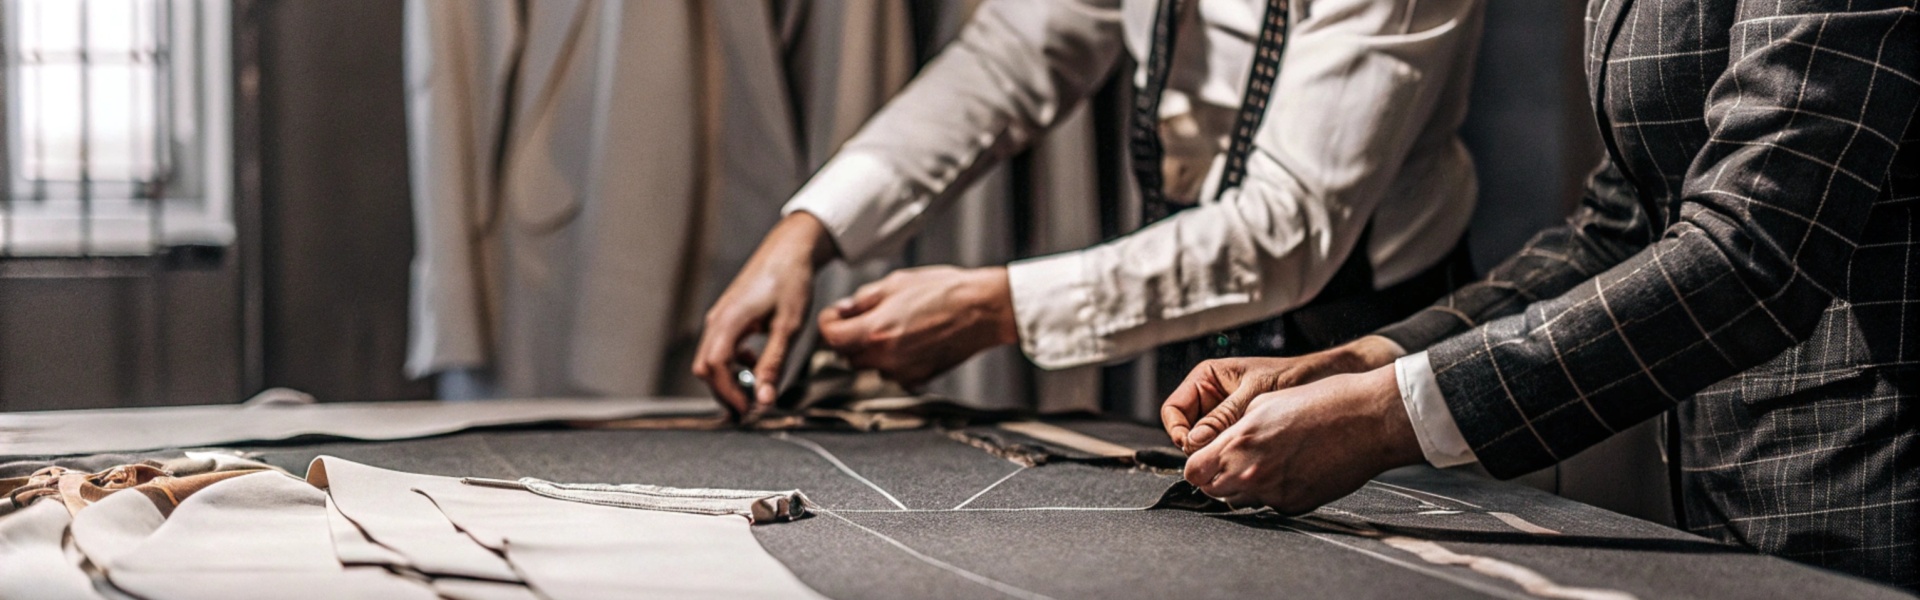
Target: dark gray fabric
[(720, 459), (1000, 546), (963, 470), (1070, 484)]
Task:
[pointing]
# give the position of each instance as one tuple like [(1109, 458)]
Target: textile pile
[(211, 525)]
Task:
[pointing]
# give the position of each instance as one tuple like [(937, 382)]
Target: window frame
[(198, 214)]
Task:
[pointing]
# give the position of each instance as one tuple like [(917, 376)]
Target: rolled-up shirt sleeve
[(1355, 95), (1016, 68)]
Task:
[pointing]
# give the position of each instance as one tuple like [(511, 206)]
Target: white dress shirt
[(1362, 126)]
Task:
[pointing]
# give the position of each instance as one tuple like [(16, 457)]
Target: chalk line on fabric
[(997, 585), (1426, 493), (817, 449), (1514, 521), (1528, 579), (989, 487), (1477, 586)]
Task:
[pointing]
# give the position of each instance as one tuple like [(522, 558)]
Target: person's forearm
[(1370, 352), (800, 236)]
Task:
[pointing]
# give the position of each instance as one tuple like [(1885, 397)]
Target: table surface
[(918, 514)]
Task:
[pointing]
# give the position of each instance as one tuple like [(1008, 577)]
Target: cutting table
[(921, 514)]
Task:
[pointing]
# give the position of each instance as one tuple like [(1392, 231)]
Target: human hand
[(770, 295), (917, 323), (1299, 448), (1217, 392)]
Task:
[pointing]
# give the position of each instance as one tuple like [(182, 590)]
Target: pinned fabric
[(756, 506)]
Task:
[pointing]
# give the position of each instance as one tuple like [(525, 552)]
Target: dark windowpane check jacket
[(1748, 255)]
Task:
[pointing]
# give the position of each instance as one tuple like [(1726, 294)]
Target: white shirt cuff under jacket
[(1440, 438)]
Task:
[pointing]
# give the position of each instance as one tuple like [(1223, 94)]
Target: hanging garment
[(588, 178), (585, 170), (556, 157)]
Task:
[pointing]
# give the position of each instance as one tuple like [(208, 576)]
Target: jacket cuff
[(1440, 439), (860, 200), (1053, 307), (1502, 436)]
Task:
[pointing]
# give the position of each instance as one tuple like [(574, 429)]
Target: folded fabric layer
[(357, 582), (579, 551), (121, 430), (456, 588), (257, 535), (383, 505), (756, 506), (353, 547), (33, 563), (115, 526)]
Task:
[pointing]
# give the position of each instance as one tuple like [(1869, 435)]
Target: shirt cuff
[(859, 199), (1440, 438), (1053, 308)]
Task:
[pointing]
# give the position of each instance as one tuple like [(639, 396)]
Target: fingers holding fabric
[(1299, 448)]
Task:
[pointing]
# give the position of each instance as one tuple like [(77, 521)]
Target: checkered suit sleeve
[(1607, 227), (1804, 124)]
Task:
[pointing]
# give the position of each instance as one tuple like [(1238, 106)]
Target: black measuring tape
[(1147, 148), (1173, 360)]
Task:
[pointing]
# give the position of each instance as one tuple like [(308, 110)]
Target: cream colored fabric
[(556, 164), (562, 549), (383, 505), (258, 535), (583, 176), (129, 429), (352, 546), (570, 550), (32, 561), (1361, 129), (115, 525)]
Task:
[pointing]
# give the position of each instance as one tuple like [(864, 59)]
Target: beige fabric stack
[(238, 529)]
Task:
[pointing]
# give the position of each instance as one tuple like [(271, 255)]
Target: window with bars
[(118, 125)]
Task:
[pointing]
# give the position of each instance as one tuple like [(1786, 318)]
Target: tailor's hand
[(770, 295), (917, 323), (1303, 447), (1217, 392)]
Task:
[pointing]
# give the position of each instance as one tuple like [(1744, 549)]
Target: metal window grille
[(117, 127)]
